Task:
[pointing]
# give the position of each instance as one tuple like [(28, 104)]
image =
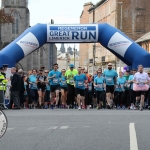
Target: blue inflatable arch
[(111, 38)]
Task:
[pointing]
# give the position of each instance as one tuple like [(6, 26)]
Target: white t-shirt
[(141, 77)]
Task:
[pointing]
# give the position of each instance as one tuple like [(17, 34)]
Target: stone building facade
[(135, 23), (9, 32)]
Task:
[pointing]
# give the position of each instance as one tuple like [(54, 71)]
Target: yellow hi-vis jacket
[(3, 82)]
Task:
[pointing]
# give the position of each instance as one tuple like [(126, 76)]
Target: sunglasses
[(85, 72), (46, 72), (110, 65)]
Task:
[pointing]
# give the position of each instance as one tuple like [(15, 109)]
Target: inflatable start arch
[(111, 38)]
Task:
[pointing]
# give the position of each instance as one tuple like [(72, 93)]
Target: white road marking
[(31, 128), (133, 138), (8, 129), (53, 127), (64, 127), (86, 126)]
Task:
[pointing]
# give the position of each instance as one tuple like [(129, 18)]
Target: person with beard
[(110, 79), (140, 79)]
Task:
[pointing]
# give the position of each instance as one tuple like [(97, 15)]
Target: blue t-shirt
[(120, 84), (47, 87), (100, 82), (25, 87), (56, 79), (79, 81), (110, 75), (63, 82), (131, 78), (32, 79)]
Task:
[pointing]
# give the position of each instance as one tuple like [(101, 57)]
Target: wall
[(84, 19)]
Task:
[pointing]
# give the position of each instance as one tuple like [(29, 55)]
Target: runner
[(70, 73), (80, 79), (132, 93), (41, 84), (33, 88), (148, 92), (47, 93), (99, 84), (54, 79), (120, 91), (110, 77), (63, 85), (141, 79)]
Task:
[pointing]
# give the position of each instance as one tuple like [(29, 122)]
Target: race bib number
[(99, 86), (34, 85), (55, 80), (41, 79), (90, 88), (109, 79), (71, 81), (122, 86), (80, 83), (63, 82)]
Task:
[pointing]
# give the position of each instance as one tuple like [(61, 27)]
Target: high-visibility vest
[(2, 81)]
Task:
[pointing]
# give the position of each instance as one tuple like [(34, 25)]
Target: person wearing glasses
[(80, 79), (70, 73), (47, 93), (54, 79), (41, 84), (99, 84), (110, 79), (63, 86)]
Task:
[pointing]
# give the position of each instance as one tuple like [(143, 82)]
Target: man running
[(80, 80), (70, 73), (54, 77), (141, 78), (110, 78)]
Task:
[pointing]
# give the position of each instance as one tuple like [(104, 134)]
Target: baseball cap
[(127, 70), (71, 66)]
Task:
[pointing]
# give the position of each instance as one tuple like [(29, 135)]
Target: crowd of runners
[(76, 89)]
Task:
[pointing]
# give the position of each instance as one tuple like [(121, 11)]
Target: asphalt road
[(76, 130)]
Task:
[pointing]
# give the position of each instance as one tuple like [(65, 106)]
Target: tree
[(5, 18)]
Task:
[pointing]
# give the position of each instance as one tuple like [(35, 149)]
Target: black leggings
[(132, 96), (89, 98), (119, 98), (100, 97), (147, 96), (34, 95), (86, 96), (71, 94)]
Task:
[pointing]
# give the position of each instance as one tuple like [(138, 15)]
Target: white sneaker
[(79, 108), (131, 107)]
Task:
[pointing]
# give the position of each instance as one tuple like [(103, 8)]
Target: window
[(103, 59), (15, 25), (14, 1)]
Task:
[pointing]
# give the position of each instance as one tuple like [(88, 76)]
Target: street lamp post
[(120, 26)]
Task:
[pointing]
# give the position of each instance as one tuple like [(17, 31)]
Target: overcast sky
[(62, 11)]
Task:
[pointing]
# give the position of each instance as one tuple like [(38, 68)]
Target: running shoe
[(79, 108), (141, 108), (123, 107), (131, 107), (149, 107), (118, 107), (46, 106), (108, 106)]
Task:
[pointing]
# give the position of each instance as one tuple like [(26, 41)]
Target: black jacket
[(16, 82)]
